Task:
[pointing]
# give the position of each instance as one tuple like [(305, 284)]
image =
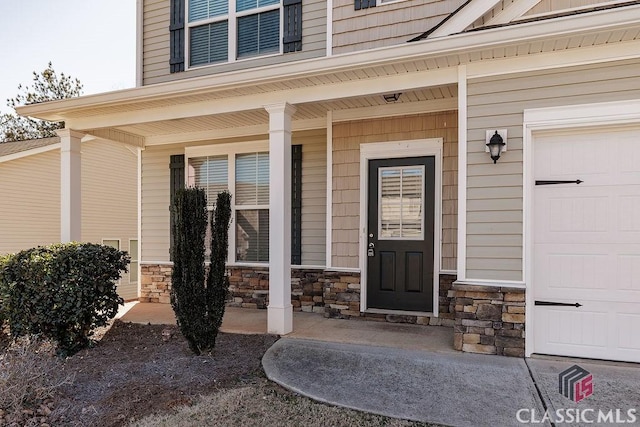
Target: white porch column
[(70, 186), (280, 310)]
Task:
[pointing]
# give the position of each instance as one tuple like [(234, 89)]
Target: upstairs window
[(228, 30)]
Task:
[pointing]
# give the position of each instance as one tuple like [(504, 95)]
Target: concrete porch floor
[(311, 326)]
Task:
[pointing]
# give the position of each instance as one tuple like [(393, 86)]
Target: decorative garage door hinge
[(577, 181), (559, 304)]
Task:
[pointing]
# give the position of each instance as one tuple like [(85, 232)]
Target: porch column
[(70, 186), (280, 310)]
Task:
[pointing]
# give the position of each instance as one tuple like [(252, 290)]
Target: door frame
[(393, 150), (538, 121)]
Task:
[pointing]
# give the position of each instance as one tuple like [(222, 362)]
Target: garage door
[(586, 259)]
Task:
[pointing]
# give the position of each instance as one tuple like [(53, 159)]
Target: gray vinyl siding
[(386, 24), (155, 49), (110, 198), (30, 202), (155, 197), (494, 192), (314, 196), (30, 195)]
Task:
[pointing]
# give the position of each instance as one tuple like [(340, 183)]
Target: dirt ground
[(146, 373), (138, 370)]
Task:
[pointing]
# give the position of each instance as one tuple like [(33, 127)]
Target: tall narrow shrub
[(217, 280), (199, 304), (187, 279)]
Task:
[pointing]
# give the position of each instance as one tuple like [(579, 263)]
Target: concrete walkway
[(412, 372), (311, 326)]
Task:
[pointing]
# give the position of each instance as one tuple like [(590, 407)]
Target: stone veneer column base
[(333, 293), (489, 319)]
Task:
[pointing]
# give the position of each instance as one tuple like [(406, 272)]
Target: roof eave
[(454, 44)]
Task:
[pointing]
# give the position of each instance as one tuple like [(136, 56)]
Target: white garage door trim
[(556, 118)]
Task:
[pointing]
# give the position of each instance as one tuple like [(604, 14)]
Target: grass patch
[(265, 404)]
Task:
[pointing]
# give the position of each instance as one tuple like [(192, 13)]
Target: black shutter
[(292, 30), (176, 36), (364, 4), (296, 204), (176, 182)]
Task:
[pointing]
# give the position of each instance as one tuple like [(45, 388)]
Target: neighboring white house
[(344, 106), (30, 206)]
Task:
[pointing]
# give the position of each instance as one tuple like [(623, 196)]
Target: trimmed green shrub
[(217, 279), (63, 291), (187, 278), (199, 305)]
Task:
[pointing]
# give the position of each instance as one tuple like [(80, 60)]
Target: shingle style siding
[(386, 24), (156, 46), (494, 192), (347, 138)]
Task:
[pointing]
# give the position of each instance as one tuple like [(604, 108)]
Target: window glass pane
[(252, 179), (259, 34), (210, 173), (203, 9), (113, 243), (252, 235), (401, 200), (209, 43), (242, 5), (412, 181), (390, 203)]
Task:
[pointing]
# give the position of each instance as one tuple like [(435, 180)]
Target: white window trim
[(232, 28), (138, 261), (231, 150), (401, 149), (119, 248), (384, 3)]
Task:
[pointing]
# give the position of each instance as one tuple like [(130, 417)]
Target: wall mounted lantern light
[(496, 143)]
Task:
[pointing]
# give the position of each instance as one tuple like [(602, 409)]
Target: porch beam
[(280, 310), (70, 185), (371, 86)]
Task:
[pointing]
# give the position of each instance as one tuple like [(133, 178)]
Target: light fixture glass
[(495, 145)]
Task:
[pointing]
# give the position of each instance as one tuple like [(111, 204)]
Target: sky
[(92, 40)]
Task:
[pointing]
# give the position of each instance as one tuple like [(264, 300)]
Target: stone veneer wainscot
[(489, 319), (336, 294)]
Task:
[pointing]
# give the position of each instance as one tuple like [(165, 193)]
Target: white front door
[(586, 243)]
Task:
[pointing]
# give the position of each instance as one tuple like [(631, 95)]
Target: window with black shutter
[(219, 31), (364, 4), (176, 182), (296, 204), (176, 36), (292, 40)]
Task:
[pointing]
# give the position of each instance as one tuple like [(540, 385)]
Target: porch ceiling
[(259, 117)]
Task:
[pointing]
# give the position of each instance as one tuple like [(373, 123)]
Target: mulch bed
[(136, 370)]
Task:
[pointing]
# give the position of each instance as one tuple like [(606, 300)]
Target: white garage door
[(587, 244)]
